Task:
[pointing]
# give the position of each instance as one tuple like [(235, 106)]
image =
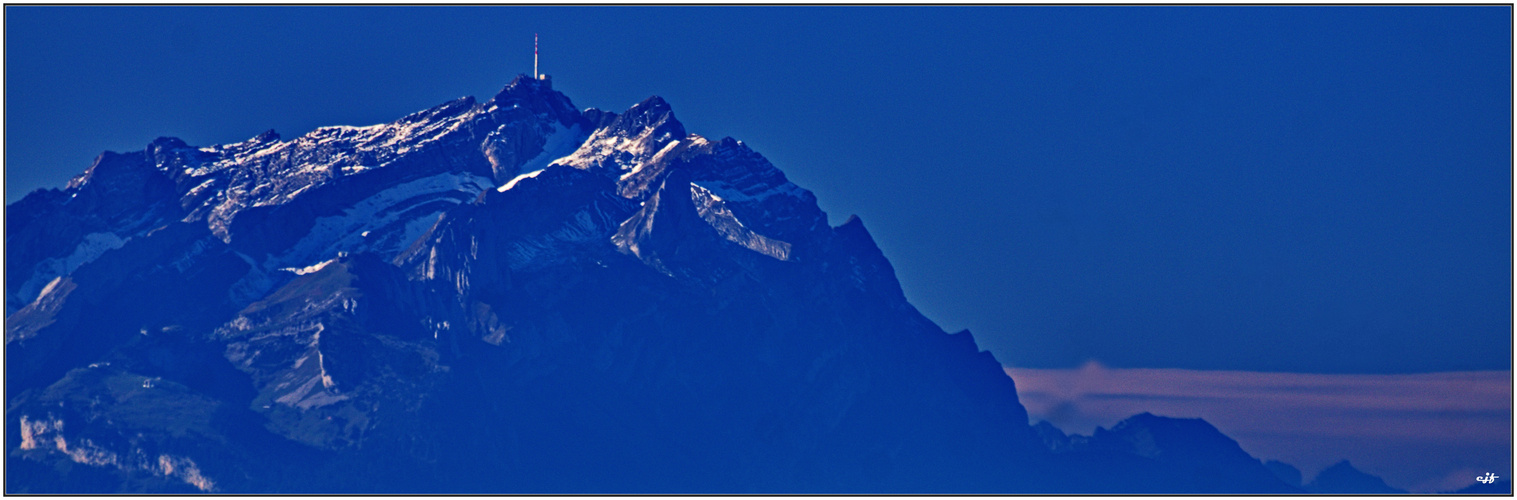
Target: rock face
[(508, 296)]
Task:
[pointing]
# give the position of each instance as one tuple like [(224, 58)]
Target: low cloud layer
[(1421, 432)]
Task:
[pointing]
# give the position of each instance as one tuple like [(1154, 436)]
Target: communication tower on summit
[(535, 74)]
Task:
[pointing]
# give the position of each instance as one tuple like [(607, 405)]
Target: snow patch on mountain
[(384, 141), (560, 143), (756, 193), (631, 142), (309, 269), (348, 231), (619, 152), (414, 230), (265, 171), (512, 183), (93, 246), (585, 225), (715, 212)]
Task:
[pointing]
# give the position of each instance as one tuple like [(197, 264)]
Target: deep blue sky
[(1319, 189)]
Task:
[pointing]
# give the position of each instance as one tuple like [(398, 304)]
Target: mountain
[(1342, 477), (1173, 455), (507, 296), (1286, 472)]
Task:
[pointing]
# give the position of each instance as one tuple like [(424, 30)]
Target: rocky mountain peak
[(509, 296), (536, 97), (652, 117)]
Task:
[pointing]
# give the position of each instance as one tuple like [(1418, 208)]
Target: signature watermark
[(1488, 478)]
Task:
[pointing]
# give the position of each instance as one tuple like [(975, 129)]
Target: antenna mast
[(535, 76)]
